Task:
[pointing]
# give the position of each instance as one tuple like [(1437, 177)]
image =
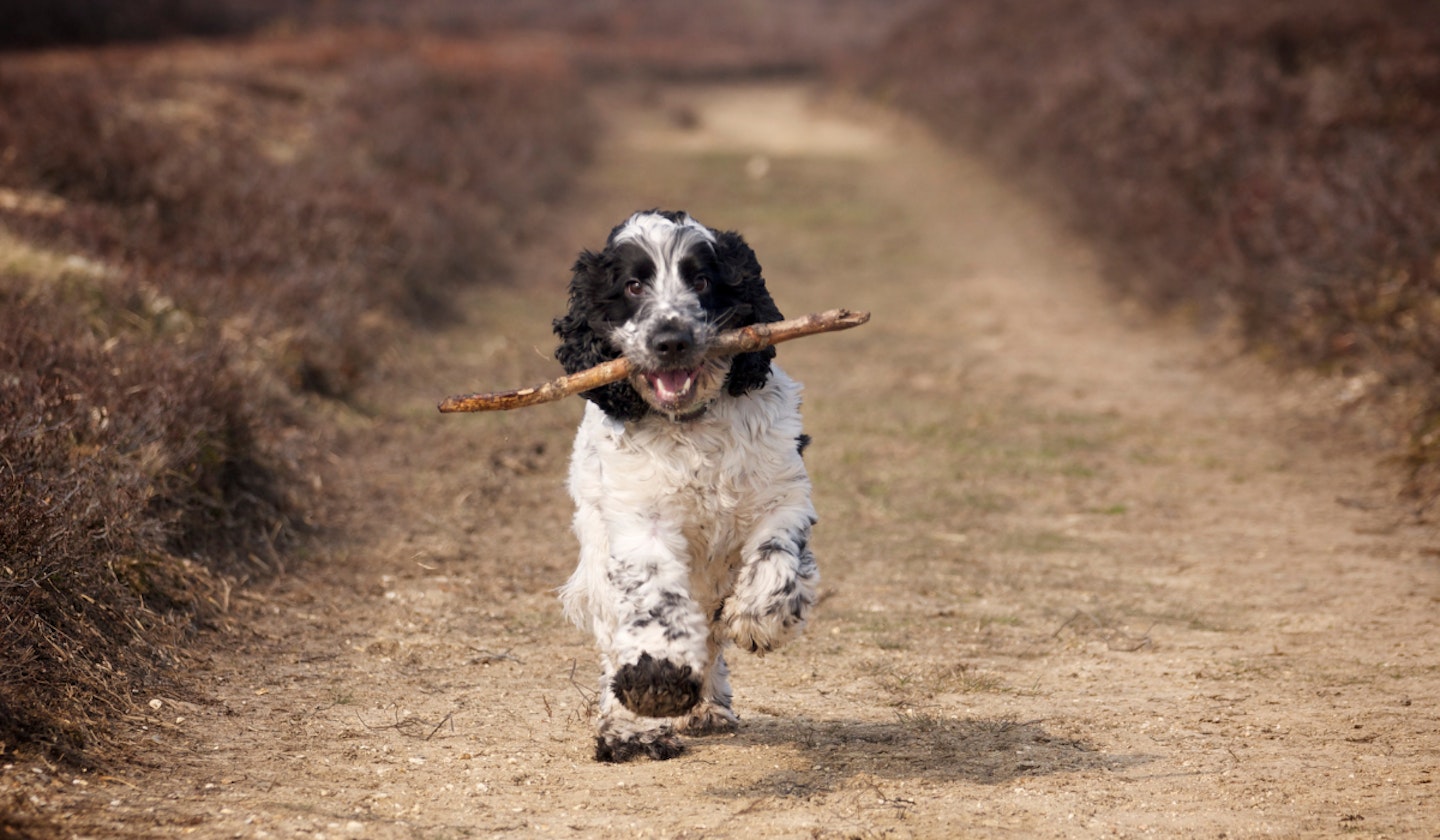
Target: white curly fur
[(692, 536)]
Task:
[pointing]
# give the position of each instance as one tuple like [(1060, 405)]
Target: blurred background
[(215, 215)]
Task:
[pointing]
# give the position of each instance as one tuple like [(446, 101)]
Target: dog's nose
[(673, 343)]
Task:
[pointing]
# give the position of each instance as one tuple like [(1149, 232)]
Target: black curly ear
[(747, 302), (583, 346)]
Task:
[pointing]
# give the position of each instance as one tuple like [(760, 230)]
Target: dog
[(692, 503)]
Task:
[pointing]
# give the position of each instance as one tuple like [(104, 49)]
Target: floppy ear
[(582, 346), (752, 305)]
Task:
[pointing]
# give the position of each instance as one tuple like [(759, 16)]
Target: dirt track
[(1084, 575)]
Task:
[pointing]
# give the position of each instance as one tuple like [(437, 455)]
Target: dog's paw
[(753, 633), (659, 745), (652, 687), (762, 633), (710, 719)]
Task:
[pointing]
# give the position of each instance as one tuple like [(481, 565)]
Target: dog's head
[(661, 289)]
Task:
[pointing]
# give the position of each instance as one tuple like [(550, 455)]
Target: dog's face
[(666, 270), (658, 293)]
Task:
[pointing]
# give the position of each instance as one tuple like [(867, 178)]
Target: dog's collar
[(689, 416), (622, 426)]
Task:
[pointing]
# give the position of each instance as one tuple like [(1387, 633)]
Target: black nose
[(673, 343)]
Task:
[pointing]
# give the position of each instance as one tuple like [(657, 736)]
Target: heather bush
[(56, 22), (120, 457), (196, 247), (317, 214), (1272, 162)]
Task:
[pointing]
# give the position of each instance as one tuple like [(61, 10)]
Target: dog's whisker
[(729, 318)]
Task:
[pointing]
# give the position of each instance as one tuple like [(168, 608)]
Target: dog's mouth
[(681, 392), (672, 387)]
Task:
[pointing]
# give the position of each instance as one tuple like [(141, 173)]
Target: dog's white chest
[(712, 479), (692, 477)]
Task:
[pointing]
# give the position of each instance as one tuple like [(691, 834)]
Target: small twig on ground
[(729, 343), (1114, 639), (449, 718), (587, 696), (488, 656), (1071, 620), (1131, 643), (403, 726)]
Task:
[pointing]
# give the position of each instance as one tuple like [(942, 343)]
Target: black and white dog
[(692, 503)]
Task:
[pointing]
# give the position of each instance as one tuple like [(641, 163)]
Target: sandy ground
[(1084, 574)]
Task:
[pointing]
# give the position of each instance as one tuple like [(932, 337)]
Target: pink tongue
[(672, 381)]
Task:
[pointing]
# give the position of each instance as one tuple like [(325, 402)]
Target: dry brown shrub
[(255, 223), (1276, 162), (54, 22), (118, 458), (320, 196)]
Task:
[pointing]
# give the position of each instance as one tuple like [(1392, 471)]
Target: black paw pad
[(656, 687)]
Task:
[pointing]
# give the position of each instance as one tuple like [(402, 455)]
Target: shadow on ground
[(985, 751)]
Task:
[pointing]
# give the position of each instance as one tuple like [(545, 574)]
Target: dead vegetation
[(1270, 163), (197, 246), (33, 25)]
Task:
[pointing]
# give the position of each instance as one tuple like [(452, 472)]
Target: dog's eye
[(701, 283), (634, 288)]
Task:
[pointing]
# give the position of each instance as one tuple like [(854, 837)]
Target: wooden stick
[(729, 343)]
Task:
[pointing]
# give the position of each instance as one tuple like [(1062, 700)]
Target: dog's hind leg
[(713, 715)]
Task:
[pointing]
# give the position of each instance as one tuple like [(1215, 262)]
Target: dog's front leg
[(776, 584), (658, 645)]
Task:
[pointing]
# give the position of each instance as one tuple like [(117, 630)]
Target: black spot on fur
[(618, 750), (657, 615), (794, 542), (656, 687), (624, 579), (772, 546), (802, 443), (671, 606)]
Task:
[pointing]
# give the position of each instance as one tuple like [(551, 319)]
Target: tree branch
[(729, 343)]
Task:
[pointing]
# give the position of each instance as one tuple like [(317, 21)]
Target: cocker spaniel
[(693, 506)]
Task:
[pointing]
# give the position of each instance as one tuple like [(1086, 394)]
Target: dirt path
[(1081, 579)]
